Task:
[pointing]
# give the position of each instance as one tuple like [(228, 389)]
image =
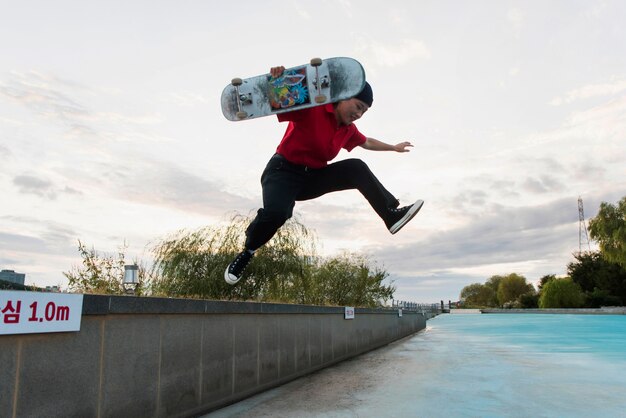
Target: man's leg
[(280, 188), (346, 175), (355, 174), (280, 185)]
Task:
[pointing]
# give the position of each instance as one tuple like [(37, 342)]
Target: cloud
[(11, 122), (336, 220), (27, 184), (53, 100), (44, 237), (536, 240), (62, 102), (543, 184), (163, 184), (346, 5), (43, 94), (30, 184), (428, 288), (609, 118), (501, 235), (394, 54), (301, 10), (590, 91), (130, 175), (40, 248), (468, 198), (516, 18), (187, 99)]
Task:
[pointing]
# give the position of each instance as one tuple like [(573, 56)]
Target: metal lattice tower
[(583, 238)]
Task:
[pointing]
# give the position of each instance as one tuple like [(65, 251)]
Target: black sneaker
[(234, 271), (401, 216)]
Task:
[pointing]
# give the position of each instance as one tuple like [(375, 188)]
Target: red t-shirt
[(314, 137)]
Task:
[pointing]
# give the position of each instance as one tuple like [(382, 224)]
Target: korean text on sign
[(36, 312)]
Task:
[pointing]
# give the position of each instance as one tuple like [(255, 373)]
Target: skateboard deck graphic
[(317, 83)]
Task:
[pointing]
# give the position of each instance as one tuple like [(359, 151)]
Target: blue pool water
[(470, 366)]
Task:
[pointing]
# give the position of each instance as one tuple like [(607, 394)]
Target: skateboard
[(317, 83)]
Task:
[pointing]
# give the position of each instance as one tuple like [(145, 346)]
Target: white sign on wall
[(37, 312), (349, 313)]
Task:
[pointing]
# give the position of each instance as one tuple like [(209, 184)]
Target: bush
[(592, 271), (561, 293), (349, 280), (511, 287), (192, 263), (529, 301), (478, 296), (102, 273), (599, 298), (286, 269), (512, 304)]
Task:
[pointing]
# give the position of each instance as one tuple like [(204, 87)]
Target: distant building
[(12, 276)]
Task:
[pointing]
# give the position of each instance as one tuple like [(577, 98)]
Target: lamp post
[(131, 278)]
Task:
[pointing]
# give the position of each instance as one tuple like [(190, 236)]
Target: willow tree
[(286, 269), (561, 293), (608, 228), (349, 279), (192, 263)]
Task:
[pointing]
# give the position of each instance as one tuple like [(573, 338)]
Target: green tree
[(529, 300), (511, 287), (545, 279), (600, 297), (348, 279), (102, 273), (477, 295), (286, 269), (593, 273), (494, 282), (192, 263), (561, 293), (609, 229)]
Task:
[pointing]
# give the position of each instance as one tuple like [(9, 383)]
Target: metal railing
[(434, 308)]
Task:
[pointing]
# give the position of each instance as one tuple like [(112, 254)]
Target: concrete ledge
[(159, 357), (464, 311), (618, 310), (105, 305)]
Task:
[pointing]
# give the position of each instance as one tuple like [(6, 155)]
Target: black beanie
[(366, 95)]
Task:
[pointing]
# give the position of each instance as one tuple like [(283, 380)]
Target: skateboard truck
[(241, 98), (324, 82)]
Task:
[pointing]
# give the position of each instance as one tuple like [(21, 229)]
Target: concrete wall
[(606, 310), (146, 357)]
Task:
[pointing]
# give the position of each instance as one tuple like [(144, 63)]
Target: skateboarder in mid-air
[(300, 171)]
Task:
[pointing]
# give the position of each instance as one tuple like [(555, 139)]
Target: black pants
[(285, 183)]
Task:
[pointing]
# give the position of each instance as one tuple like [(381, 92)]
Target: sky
[(111, 130)]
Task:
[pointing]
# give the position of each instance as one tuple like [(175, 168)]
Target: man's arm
[(373, 144)]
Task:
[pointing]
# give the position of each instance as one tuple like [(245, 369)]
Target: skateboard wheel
[(236, 82), (242, 115), (320, 99), (316, 62)]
